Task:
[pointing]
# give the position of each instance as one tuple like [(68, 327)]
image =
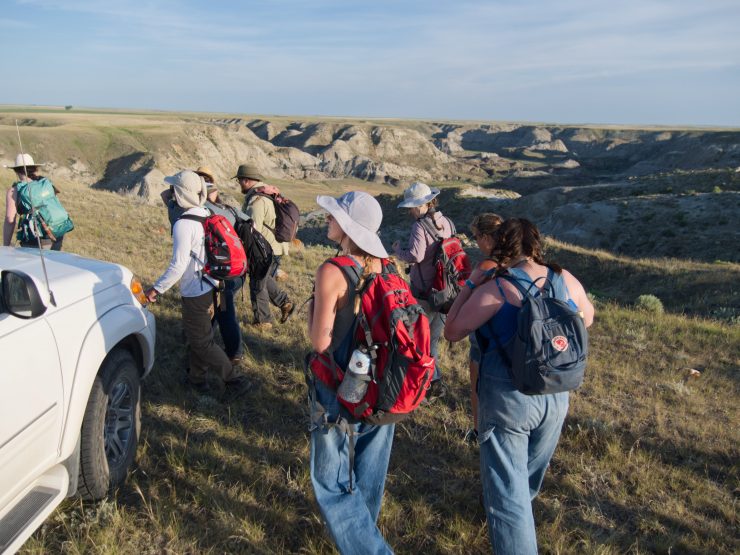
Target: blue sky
[(570, 61)]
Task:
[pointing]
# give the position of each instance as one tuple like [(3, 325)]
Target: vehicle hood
[(71, 277)]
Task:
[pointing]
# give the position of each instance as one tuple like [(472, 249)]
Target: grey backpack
[(548, 351)]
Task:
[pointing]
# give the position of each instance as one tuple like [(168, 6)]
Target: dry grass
[(647, 461)]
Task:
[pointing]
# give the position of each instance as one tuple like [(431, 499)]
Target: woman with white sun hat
[(350, 511), (429, 226)]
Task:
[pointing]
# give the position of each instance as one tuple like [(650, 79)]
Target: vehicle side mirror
[(20, 295)]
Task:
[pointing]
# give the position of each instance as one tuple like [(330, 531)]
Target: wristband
[(470, 284)]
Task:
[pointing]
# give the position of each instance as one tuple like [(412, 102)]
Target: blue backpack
[(42, 215), (548, 351)]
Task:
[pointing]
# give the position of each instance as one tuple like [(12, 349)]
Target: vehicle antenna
[(34, 219)]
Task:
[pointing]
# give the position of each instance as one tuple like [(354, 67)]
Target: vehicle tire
[(111, 426)]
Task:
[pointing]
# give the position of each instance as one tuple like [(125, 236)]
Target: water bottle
[(356, 378)]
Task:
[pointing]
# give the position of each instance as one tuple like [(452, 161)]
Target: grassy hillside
[(648, 460)]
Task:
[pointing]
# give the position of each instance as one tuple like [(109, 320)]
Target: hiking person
[(518, 432), (421, 202), (350, 515), (32, 200), (198, 290), (483, 228), (261, 210), (225, 310)]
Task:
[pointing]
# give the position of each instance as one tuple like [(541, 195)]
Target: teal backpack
[(42, 215)]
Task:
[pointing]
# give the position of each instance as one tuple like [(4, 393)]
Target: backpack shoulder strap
[(193, 217), (428, 226), (453, 229), (351, 268)]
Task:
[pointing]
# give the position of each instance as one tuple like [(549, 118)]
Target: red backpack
[(394, 329), (225, 256), (452, 269)]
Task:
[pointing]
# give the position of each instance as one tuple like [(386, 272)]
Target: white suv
[(71, 359)]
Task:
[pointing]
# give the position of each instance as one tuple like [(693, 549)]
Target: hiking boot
[(285, 311), (437, 390), (236, 388), (201, 388), (262, 326)]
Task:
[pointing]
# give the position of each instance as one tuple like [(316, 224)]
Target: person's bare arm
[(11, 214), (330, 286), (472, 309), (578, 294)]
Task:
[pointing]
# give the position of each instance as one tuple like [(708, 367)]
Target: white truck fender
[(109, 330)]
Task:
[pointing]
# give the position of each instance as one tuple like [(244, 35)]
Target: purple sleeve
[(417, 247)]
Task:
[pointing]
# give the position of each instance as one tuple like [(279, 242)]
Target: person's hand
[(151, 295)]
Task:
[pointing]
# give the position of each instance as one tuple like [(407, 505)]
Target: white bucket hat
[(359, 215), (417, 194), (23, 160), (189, 188)]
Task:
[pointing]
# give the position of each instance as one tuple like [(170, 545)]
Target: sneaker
[(437, 390), (236, 388), (285, 311)]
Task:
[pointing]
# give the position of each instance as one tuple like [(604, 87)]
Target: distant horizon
[(635, 63), (52, 108)]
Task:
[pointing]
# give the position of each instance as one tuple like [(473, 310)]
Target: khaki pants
[(203, 352)]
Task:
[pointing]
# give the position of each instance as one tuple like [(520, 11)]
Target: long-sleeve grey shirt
[(420, 252)]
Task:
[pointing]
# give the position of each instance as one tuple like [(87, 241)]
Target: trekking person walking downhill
[(429, 225), (261, 210), (32, 200), (198, 290), (350, 512), (483, 227), (518, 431), (225, 310)]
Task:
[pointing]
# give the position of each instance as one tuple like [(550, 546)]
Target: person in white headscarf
[(198, 291)]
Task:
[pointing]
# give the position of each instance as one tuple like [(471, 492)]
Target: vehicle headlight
[(138, 290)]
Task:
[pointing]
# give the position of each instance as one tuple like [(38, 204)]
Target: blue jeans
[(351, 517), (225, 316), (518, 435)]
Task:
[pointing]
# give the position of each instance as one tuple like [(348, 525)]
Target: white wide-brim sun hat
[(359, 215), (23, 160), (417, 194)]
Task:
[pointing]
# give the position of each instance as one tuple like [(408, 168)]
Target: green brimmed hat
[(248, 171)]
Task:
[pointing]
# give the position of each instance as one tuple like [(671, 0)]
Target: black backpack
[(287, 217), (258, 249), (548, 352)]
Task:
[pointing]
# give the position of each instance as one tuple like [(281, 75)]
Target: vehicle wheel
[(110, 428)]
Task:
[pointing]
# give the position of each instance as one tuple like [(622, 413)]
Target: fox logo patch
[(559, 343)]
